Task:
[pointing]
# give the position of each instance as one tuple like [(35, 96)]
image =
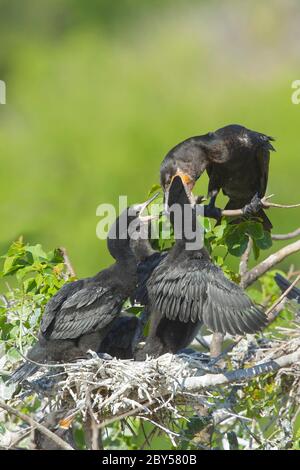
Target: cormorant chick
[(187, 290), (81, 313)]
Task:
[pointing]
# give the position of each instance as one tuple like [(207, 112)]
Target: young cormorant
[(236, 160), (79, 316), (186, 290)]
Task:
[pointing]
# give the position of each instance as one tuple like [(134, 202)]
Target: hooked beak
[(188, 184)]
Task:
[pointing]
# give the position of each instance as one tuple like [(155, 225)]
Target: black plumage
[(186, 290), (80, 315), (243, 173), (236, 160), (284, 284), (122, 337)]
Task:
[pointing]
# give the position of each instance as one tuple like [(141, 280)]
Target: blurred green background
[(98, 91)]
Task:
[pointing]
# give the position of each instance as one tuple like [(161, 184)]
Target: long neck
[(118, 240), (187, 231)]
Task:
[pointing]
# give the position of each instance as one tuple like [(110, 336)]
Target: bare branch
[(265, 205), (245, 259), (269, 263), (67, 262), (195, 384), (60, 442), (216, 345), (281, 298), (286, 236)]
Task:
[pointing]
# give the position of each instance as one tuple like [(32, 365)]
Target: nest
[(103, 390)]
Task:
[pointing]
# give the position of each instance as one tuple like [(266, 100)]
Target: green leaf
[(256, 250), (254, 230), (10, 265), (265, 242), (13, 355), (36, 251)]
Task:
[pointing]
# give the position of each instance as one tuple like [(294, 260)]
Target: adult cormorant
[(236, 160), (186, 290), (79, 316)]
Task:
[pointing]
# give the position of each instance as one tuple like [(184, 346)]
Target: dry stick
[(281, 298), (269, 263), (60, 442), (216, 345), (286, 236), (276, 308), (245, 259), (67, 262)]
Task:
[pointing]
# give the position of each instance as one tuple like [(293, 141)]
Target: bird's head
[(189, 160), (128, 226)]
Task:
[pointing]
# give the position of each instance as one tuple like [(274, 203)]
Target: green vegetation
[(97, 96), (38, 275), (97, 93)]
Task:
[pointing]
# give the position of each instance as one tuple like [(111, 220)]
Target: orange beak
[(188, 183)]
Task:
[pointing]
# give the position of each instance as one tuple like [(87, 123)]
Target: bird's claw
[(212, 212), (253, 207)]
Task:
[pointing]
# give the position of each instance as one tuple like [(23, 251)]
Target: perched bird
[(81, 313), (186, 290), (294, 293), (236, 160)]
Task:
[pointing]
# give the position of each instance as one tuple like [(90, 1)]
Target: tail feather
[(23, 372), (267, 224), (284, 284)]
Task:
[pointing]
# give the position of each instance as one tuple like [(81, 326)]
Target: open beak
[(188, 184), (142, 207)]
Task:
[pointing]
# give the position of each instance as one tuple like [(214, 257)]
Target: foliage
[(34, 276), (81, 128)]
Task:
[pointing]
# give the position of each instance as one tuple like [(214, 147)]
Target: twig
[(67, 262), (281, 298), (286, 236), (216, 345), (269, 263), (60, 442), (245, 259)]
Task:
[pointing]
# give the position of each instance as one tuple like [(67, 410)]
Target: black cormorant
[(236, 160)]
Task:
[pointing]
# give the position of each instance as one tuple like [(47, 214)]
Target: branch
[(270, 312), (60, 442), (269, 263), (67, 262), (287, 236), (245, 259), (195, 384), (265, 205)]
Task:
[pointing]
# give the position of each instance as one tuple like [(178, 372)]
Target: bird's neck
[(127, 262), (187, 232)]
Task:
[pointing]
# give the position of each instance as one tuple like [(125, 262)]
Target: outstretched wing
[(187, 292), (144, 271), (80, 308)]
